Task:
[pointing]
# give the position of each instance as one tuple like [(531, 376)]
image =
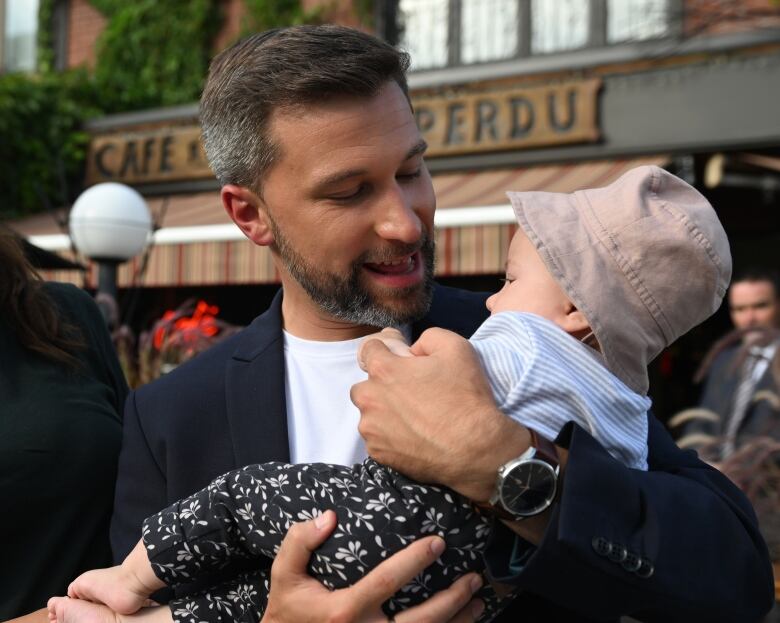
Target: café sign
[(514, 118), (158, 155), (453, 123)]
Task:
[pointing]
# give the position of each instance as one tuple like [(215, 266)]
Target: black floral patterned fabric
[(247, 512)]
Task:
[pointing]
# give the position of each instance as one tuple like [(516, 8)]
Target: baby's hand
[(392, 338), (115, 587)]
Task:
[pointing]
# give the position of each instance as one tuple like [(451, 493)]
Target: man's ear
[(575, 323), (247, 211)]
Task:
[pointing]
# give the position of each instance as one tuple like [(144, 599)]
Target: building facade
[(510, 95)]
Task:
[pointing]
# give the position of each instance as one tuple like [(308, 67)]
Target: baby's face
[(529, 287)]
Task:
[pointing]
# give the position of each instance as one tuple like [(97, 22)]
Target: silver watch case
[(524, 461)]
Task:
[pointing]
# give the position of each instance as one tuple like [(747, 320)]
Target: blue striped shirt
[(543, 378)]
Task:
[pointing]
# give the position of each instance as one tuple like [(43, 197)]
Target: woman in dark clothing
[(61, 394)]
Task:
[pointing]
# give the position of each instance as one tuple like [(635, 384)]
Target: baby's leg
[(66, 610), (246, 513), (124, 588), (240, 600)]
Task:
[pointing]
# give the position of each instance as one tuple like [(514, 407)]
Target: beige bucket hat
[(645, 259)]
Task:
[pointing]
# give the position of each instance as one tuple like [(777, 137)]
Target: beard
[(345, 296)]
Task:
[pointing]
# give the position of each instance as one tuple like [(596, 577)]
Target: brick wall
[(85, 23), (725, 16), (232, 14)]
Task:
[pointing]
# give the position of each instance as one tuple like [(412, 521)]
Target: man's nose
[(397, 218)]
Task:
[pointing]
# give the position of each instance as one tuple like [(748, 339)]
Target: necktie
[(752, 369)]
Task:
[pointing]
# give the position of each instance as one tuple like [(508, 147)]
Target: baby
[(597, 284)]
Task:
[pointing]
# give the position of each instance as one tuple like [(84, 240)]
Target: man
[(741, 390), (311, 134)]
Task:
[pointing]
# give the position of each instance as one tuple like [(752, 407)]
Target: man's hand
[(433, 416), (295, 597)]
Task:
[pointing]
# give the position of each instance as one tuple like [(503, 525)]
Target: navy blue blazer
[(676, 543)]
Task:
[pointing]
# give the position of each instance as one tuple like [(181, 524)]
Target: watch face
[(528, 488)]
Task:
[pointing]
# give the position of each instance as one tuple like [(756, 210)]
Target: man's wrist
[(500, 441)]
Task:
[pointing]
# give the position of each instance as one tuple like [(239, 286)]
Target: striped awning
[(198, 245)]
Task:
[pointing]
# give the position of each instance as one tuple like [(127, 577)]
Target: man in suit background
[(311, 134), (741, 372)]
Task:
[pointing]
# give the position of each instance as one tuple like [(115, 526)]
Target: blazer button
[(646, 569), (618, 553), (632, 562), (601, 545)]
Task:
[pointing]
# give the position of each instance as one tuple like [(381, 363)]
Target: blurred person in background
[(61, 395), (741, 372)]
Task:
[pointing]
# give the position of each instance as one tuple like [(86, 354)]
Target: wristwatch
[(526, 486)]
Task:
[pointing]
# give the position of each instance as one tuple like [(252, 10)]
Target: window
[(423, 26), (440, 33), (559, 25), (18, 36), (488, 30), (636, 19)]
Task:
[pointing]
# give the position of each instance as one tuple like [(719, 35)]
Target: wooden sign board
[(452, 124), (515, 118), (162, 154)]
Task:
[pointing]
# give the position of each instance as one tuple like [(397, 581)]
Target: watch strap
[(545, 449)]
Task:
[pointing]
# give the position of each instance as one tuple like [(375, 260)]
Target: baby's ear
[(575, 323)]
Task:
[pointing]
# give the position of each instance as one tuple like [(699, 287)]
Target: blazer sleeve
[(140, 485), (676, 543)]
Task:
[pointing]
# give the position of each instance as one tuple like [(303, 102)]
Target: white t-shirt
[(322, 422)]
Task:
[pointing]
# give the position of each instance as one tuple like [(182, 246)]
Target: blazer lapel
[(255, 392)]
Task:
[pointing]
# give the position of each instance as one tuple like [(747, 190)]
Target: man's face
[(350, 207), (753, 304)]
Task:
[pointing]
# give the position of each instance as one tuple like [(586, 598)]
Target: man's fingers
[(453, 605), (372, 354), (389, 576), (301, 540)]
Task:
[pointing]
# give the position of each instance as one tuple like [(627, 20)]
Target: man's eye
[(410, 176), (350, 195)]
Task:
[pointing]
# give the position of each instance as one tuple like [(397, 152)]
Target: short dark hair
[(284, 68), (758, 273)]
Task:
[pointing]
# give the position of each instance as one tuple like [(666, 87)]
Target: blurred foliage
[(266, 14), (43, 145), (44, 44), (153, 52), (366, 12)]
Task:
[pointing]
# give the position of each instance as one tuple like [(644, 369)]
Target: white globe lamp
[(110, 223)]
